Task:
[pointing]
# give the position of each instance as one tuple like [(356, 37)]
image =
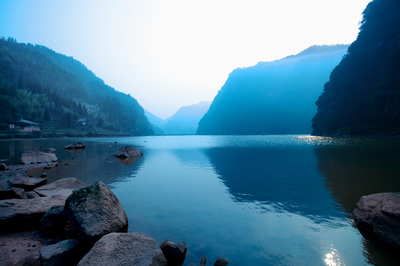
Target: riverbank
[(61, 134)]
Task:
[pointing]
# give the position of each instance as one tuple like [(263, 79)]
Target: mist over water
[(255, 200)]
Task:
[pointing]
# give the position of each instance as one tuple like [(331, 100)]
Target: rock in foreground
[(379, 214), (122, 249), (95, 211), (62, 187), (175, 253), (62, 253), (23, 214), (28, 183)]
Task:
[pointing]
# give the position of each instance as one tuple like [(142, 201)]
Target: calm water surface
[(255, 200)]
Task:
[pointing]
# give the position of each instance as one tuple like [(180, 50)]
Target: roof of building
[(27, 122)]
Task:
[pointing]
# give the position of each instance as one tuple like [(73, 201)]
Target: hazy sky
[(169, 54)]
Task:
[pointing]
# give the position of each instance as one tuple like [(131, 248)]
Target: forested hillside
[(45, 87), (272, 97), (362, 96)]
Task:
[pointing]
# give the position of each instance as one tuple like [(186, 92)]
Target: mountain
[(156, 122), (49, 88), (272, 97), (362, 96), (185, 121)]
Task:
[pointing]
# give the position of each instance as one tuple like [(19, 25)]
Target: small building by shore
[(23, 126)]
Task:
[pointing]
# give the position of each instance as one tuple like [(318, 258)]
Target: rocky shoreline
[(67, 222)]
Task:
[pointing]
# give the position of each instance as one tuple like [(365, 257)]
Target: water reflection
[(95, 163), (353, 171), (285, 179), (364, 166)]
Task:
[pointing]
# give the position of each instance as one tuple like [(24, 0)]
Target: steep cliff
[(272, 97), (362, 96)]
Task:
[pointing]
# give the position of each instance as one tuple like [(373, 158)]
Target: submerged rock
[(62, 187), (127, 152), (175, 253), (203, 261), (221, 262), (379, 214), (37, 157), (95, 211), (75, 146), (122, 249)]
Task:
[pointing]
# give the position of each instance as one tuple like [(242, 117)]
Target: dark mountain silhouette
[(54, 90), (272, 97), (362, 96), (186, 119)]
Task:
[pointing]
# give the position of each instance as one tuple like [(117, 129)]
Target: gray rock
[(31, 195), (62, 187), (106, 213), (379, 214), (175, 253), (127, 152), (37, 157), (55, 218), (62, 253), (12, 193), (122, 249), (221, 262), (28, 183), (24, 214), (75, 146)]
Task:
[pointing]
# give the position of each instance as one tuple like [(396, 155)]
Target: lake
[(254, 200)]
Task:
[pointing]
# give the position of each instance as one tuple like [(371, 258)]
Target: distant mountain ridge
[(186, 119), (184, 122), (41, 85), (362, 96), (272, 97)]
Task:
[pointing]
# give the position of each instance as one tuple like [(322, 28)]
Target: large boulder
[(28, 183), (95, 211), (127, 152), (175, 253), (122, 249), (62, 187), (379, 214), (23, 214), (37, 157), (62, 253)]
